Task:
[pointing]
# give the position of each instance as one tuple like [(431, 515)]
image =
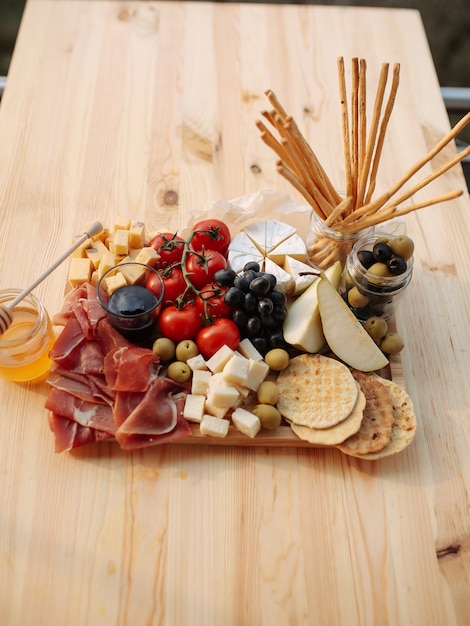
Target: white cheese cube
[(217, 362), (194, 407), (221, 396), (246, 422), (236, 370), (200, 382), (249, 351), (197, 362), (213, 426), (257, 372), (121, 242)]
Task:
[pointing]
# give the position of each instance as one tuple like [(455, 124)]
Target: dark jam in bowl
[(133, 310)]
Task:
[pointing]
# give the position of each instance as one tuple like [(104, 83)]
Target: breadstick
[(355, 126), (290, 176), (383, 130), (364, 175), (362, 112), (345, 125)]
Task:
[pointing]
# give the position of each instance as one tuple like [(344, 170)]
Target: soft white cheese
[(246, 422), (194, 407), (213, 426), (285, 282), (243, 250), (295, 268), (200, 382), (294, 246), (269, 234), (217, 362)]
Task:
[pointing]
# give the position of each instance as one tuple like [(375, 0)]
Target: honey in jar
[(25, 345)]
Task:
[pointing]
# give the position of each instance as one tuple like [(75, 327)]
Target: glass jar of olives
[(377, 271), (326, 245)]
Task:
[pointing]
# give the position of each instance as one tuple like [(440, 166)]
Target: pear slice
[(303, 327), (343, 332)]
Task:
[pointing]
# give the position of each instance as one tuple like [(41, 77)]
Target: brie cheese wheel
[(295, 268), (268, 243), (285, 282), (267, 235), (242, 250), (294, 246)]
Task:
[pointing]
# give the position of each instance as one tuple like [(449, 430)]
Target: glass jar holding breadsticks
[(338, 221)]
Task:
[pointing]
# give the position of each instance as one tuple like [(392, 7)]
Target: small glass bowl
[(380, 292), (130, 307), (25, 345)]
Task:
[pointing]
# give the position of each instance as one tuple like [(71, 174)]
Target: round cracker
[(335, 434), (316, 391), (404, 423), (376, 428)]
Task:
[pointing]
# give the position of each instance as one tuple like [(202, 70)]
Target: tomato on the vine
[(169, 246), (174, 283), (216, 236), (222, 332), (210, 302), (202, 265), (180, 323)]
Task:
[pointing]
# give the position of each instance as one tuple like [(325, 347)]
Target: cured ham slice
[(69, 434), (104, 387)]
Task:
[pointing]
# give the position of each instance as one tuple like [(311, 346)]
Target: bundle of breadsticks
[(362, 147)]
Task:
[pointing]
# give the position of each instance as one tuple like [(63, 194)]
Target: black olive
[(382, 251), (396, 265)]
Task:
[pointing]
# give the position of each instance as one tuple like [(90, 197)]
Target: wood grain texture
[(149, 109)]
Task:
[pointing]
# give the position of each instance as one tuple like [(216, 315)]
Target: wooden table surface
[(148, 109)]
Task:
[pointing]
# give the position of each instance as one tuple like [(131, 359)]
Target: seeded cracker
[(376, 427), (404, 423), (316, 391), (335, 434)]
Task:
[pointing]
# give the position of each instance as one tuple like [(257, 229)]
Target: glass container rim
[(8, 295), (158, 299), (337, 234)]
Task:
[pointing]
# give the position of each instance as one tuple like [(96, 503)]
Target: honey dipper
[(6, 317)]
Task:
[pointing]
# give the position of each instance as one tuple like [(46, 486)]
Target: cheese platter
[(257, 293)]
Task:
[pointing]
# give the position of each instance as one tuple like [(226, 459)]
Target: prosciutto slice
[(103, 387)]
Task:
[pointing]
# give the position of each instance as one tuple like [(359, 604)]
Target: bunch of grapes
[(259, 309)]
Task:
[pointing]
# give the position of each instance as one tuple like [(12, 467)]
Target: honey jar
[(25, 345)]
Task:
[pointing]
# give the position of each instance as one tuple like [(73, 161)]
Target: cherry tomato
[(169, 246), (202, 265), (217, 236), (180, 323), (174, 282), (210, 302), (222, 332)]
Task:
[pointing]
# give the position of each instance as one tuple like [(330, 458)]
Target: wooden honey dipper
[(6, 317)]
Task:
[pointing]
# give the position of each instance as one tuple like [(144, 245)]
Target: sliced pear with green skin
[(303, 327), (345, 336)]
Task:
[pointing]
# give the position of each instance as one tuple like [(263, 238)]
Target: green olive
[(392, 343), (357, 299), (376, 327), (379, 269), (186, 349), (268, 415), (165, 348), (403, 246), (179, 371), (268, 392), (277, 359)]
